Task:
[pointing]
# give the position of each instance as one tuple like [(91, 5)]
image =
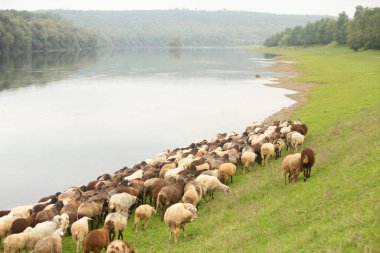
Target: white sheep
[(174, 172), (16, 242), (209, 184), (121, 201), (185, 162), (51, 243), (177, 216), (166, 168), (136, 175), (41, 230), (120, 222), (79, 230), (5, 224), (22, 211), (296, 139), (267, 150), (143, 212), (247, 159)]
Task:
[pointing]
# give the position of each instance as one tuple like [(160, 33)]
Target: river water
[(66, 118)]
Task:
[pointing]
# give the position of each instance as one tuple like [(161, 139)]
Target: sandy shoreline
[(288, 82)]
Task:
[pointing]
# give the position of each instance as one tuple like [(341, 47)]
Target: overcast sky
[(322, 7)]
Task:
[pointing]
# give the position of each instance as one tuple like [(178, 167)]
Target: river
[(67, 117)]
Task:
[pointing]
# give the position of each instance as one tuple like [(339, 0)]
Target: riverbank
[(287, 81)]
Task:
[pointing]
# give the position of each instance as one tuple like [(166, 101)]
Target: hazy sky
[(329, 7)]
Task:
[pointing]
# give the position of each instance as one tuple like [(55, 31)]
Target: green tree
[(342, 28)]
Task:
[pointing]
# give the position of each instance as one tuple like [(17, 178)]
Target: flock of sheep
[(184, 174)]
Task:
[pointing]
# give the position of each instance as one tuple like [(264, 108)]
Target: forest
[(147, 28), (363, 31), (23, 31), (57, 30)]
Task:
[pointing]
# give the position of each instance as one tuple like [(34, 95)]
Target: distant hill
[(191, 28), (24, 31)]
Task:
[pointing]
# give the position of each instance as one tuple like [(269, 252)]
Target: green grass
[(337, 209)]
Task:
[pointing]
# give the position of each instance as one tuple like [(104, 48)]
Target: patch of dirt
[(287, 82)]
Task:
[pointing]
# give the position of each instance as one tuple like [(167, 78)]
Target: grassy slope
[(337, 210)]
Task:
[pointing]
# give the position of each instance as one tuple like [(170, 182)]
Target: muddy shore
[(288, 82)]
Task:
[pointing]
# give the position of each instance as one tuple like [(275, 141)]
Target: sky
[(315, 7)]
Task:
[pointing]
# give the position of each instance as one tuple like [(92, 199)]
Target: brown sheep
[(301, 128), (46, 215), (99, 238), (20, 224), (169, 195), (308, 160)]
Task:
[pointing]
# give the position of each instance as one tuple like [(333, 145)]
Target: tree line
[(23, 31), (193, 28), (363, 31)]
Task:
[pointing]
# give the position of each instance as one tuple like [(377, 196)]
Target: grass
[(337, 209)]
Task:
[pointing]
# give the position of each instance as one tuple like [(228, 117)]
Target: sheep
[(79, 230), (137, 174), (71, 209), (209, 184), (5, 224), (234, 155), (99, 238), (185, 162), (70, 194), (291, 165), (46, 215), (166, 168), (19, 225), (267, 150), (279, 144), (143, 212), (226, 171), (119, 246), (91, 209), (296, 139), (215, 161), (120, 222), (300, 128), (4, 213), (192, 193), (247, 159), (211, 173), (169, 195), (247, 147), (177, 216), (174, 172), (22, 211), (121, 201), (43, 229), (16, 242), (308, 160), (50, 244)]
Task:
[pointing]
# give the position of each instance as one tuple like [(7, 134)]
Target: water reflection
[(99, 111)]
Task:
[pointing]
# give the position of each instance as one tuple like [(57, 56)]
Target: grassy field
[(337, 209)]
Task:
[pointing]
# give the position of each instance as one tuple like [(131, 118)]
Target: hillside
[(194, 28), (24, 31), (337, 209)]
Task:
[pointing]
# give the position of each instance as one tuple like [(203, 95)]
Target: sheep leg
[(183, 229), (120, 235)]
